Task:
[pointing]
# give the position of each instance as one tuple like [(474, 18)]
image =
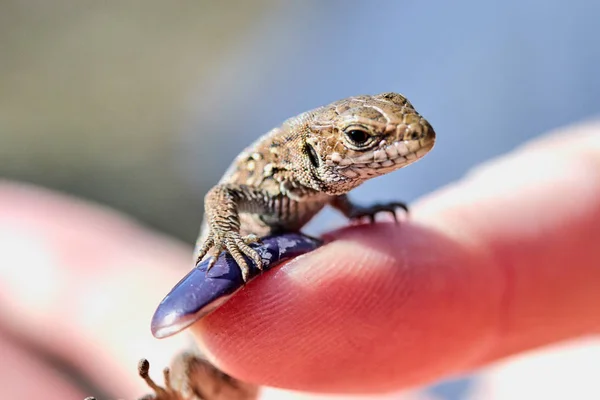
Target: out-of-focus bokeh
[(141, 105)]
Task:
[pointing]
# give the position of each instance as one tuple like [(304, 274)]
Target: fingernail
[(200, 293)]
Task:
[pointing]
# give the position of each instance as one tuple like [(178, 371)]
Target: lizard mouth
[(402, 151), (383, 159)]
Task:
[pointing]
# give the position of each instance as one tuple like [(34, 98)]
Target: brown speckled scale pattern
[(288, 175)]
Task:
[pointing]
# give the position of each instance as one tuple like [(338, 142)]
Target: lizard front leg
[(222, 205), (353, 211)]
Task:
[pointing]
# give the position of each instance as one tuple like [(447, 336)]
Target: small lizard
[(279, 183), (288, 175)]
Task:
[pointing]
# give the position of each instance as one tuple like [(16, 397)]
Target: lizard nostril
[(414, 136)]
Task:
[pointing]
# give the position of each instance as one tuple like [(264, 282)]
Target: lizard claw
[(373, 210), (160, 393), (214, 253), (237, 246), (206, 246)]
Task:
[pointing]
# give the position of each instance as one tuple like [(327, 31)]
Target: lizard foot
[(193, 378), (237, 246), (372, 211), (160, 393)]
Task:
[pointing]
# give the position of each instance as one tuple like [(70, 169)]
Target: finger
[(503, 261), (78, 286), (19, 365)]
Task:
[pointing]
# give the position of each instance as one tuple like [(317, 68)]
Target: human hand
[(501, 262)]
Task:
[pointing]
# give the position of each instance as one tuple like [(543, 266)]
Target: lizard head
[(362, 137)]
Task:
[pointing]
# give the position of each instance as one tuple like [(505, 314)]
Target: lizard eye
[(357, 137)]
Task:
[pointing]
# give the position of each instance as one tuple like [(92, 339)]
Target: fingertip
[(379, 308), (499, 263)]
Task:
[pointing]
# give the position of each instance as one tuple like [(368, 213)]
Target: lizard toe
[(160, 393), (251, 253), (203, 250), (399, 204), (233, 247), (214, 254), (372, 211), (243, 265)]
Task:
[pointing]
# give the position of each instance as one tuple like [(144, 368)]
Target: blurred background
[(141, 105)]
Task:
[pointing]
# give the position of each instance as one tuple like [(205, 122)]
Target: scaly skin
[(279, 183), (287, 176)]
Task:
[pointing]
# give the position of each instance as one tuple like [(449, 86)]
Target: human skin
[(503, 261)]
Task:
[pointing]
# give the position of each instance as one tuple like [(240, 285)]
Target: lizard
[(282, 180), (278, 184)]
